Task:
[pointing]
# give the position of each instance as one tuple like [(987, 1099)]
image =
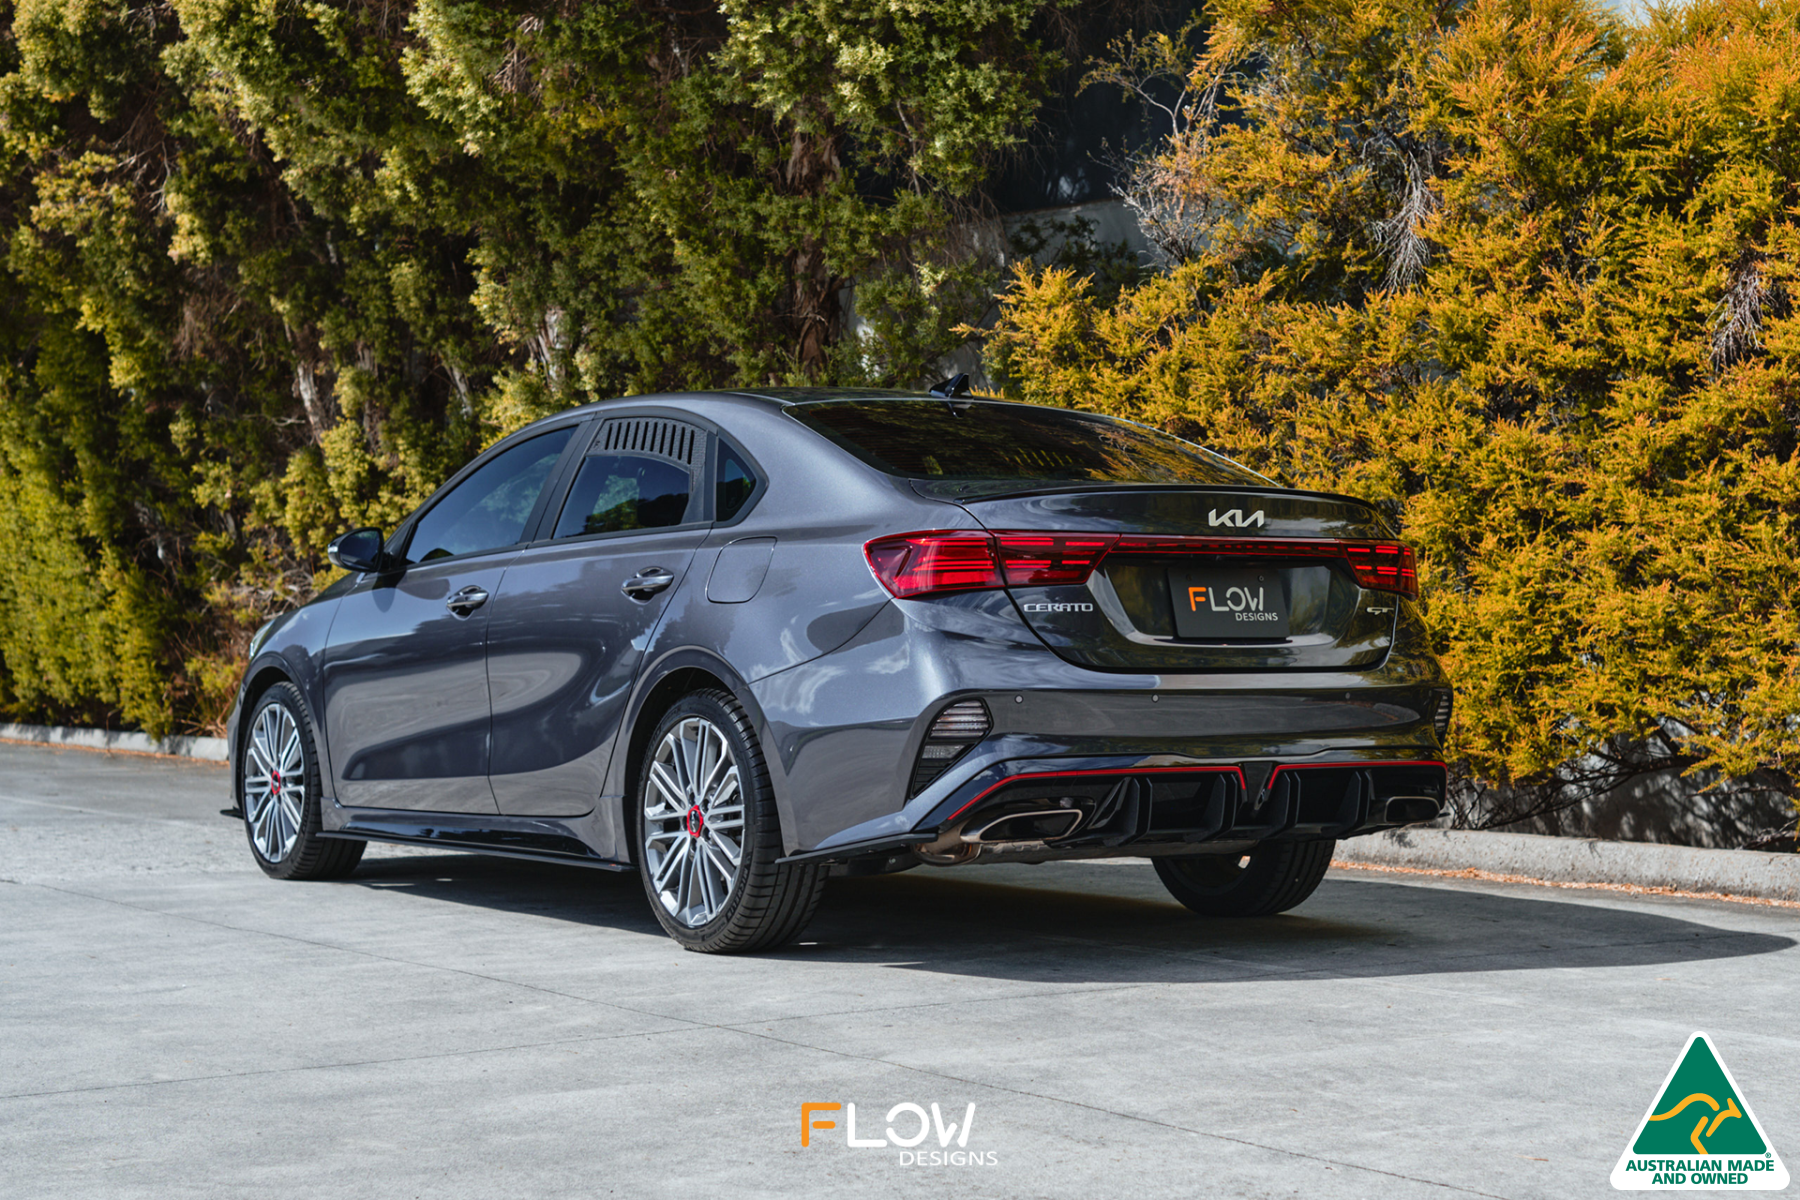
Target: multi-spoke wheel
[(278, 788), (710, 839), (1272, 878), (274, 782), (693, 821)]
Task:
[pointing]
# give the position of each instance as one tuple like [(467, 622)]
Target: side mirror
[(358, 550)]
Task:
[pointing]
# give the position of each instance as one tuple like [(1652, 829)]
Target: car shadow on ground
[(1071, 923)]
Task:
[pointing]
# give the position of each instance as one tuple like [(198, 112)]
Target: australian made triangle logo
[(1700, 1133)]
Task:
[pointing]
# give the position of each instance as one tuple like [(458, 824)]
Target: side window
[(615, 492), (735, 484), (489, 509)]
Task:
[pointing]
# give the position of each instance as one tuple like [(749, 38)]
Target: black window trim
[(699, 506)]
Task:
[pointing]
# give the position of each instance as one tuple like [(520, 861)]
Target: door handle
[(646, 583), (466, 601)]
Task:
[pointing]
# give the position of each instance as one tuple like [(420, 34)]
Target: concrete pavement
[(172, 1023)]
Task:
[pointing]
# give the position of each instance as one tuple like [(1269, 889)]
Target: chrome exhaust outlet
[(1410, 810), (1038, 826)]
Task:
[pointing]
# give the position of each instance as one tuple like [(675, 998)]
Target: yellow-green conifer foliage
[(270, 269), (1525, 273)]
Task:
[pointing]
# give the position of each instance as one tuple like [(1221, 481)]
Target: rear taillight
[(1384, 566), (1440, 713), (936, 562), (1050, 559), (914, 565)]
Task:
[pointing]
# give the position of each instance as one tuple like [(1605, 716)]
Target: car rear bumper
[(844, 732), (1080, 806)]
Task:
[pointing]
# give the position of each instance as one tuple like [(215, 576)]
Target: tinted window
[(734, 486), (489, 508), (624, 491), (930, 439)]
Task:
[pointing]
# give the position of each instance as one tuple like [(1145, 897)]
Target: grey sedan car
[(739, 642)]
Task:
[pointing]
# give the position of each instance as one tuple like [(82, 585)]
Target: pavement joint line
[(1291, 974), (101, 812), (686, 1022), (1123, 1116), (367, 954), (336, 1066)]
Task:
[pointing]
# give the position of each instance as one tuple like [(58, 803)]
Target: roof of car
[(778, 397)]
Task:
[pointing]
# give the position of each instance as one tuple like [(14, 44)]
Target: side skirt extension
[(524, 837)]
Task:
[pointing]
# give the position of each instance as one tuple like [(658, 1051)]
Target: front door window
[(489, 509)]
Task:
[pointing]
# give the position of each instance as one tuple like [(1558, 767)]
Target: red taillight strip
[(939, 561), (1381, 565), (1243, 783)]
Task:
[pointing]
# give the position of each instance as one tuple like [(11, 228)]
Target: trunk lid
[(1200, 579)]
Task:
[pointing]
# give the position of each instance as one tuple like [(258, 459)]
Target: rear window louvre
[(658, 437)]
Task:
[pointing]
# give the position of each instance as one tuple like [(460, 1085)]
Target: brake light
[(1385, 566), (912, 565), (1051, 559)]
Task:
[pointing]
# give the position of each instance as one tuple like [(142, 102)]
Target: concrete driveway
[(172, 1023)]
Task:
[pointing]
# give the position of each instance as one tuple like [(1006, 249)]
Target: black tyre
[(708, 837), (1272, 878), (279, 788)]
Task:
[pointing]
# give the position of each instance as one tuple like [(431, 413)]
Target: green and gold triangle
[(1700, 1132)]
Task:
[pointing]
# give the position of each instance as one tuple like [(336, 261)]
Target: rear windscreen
[(976, 440)]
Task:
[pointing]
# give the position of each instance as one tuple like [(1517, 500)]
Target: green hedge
[(270, 269)]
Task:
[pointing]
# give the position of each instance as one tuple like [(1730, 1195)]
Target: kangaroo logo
[(1235, 517), (1700, 1133)]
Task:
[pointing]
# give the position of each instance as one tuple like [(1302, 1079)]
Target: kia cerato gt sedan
[(739, 641)]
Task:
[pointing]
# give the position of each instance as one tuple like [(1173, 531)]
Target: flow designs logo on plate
[(899, 1133), (1700, 1133)]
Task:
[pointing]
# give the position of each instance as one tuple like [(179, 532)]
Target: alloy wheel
[(693, 821), (274, 782)]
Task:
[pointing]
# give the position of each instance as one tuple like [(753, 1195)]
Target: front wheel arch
[(261, 679)]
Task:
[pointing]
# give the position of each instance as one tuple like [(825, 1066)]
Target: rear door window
[(613, 493)]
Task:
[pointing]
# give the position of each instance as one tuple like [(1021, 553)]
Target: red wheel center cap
[(275, 778), (695, 822)]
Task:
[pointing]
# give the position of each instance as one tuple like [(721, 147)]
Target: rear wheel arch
[(683, 674)]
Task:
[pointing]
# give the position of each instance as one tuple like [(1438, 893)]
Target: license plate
[(1228, 604)]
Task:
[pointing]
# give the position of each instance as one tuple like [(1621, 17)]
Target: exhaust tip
[(1037, 826), (1410, 810)]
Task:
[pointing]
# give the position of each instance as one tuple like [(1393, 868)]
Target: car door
[(404, 674), (576, 609)]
